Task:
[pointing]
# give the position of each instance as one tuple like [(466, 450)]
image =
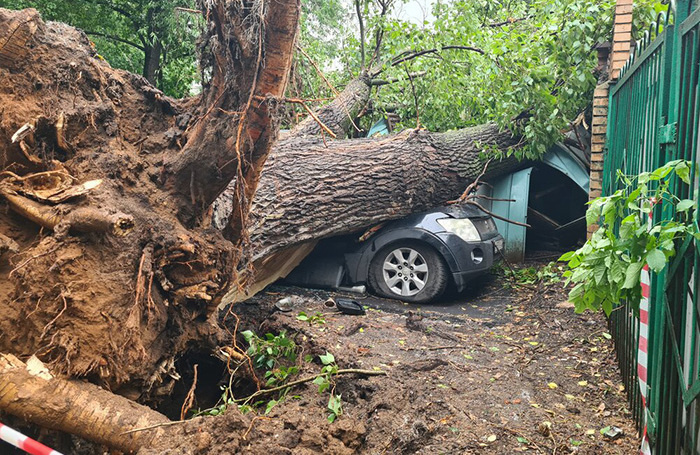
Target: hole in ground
[(212, 374)]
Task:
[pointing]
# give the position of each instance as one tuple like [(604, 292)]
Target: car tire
[(427, 276)]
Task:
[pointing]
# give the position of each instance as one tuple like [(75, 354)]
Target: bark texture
[(354, 184), (30, 392), (340, 114)]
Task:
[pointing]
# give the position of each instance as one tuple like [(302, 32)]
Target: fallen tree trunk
[(349, 185), (312, 189), (29, 391)]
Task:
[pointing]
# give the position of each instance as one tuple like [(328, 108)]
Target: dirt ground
[(499, 369)]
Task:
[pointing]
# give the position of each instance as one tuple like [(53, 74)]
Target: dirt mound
[(296, 431), (495, 371), (69, 291)]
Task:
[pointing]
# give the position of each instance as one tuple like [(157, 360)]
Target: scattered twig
[(411, 55), (188, 10), (511, 20), (250, 427), (512, 272), (488, 212), (380, 82), (151, 427), (415, 97), (316, 119), (309, 379), (369, 232), (472, 186), (318, 71), (434, 348)]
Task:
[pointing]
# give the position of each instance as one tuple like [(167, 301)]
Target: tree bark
[(340, 114), (151, 65), (349, 185), (83, 409)]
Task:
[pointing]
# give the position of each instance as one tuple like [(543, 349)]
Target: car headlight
[(462, 228)]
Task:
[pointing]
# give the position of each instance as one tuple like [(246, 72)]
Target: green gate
[(654, 117)]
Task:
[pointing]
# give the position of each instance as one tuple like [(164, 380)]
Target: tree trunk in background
[(151, 62), (106, 272)]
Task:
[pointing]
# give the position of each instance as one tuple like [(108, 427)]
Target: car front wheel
[(409, 272)]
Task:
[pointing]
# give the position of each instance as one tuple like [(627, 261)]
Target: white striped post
[(23, 442), (643, 344)]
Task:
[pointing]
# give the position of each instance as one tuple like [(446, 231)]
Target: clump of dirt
[(115, 307), (506, 371)]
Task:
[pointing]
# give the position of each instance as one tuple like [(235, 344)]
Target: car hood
[(462, 211)]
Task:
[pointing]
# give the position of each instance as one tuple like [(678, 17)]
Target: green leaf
[(684, 205), (327, 358), (656, 260), (566, 256), (683, 172), (632, 275)]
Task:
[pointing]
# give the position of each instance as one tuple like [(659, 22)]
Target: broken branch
[(30, 392)]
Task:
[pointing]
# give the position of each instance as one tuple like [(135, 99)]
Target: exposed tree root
[(64, 219)]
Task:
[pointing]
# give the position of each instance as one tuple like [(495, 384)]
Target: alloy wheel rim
[(405, 272)]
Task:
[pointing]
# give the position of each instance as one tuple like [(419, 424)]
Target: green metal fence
[(654, 117)]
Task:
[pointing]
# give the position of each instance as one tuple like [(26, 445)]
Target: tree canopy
[(527, 65)]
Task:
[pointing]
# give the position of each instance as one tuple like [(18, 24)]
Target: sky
[(414, 10)]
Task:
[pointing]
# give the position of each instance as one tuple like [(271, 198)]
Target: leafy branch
[(607, 268)]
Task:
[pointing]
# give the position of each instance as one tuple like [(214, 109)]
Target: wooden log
[(30, 392)]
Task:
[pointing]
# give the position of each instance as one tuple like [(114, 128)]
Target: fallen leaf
[(492, 438), (552, 385)]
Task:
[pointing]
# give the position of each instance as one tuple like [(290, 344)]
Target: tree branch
[(380, 33), (511, 20), (415, 54), (362, 33), (380, 82), (119, 10), (116, 38)]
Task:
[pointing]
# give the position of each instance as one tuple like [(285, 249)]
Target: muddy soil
[(495, 370)]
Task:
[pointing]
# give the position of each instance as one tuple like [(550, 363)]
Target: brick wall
[(622, 37)]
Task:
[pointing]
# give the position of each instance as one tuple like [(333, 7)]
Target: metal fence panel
[(654, 117)]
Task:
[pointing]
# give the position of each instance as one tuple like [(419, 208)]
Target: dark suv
[(412, 259)]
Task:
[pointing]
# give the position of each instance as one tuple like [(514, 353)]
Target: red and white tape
[(643, 345), (23, 442), (642, 353)]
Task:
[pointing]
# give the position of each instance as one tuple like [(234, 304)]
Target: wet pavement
[(486, 299)]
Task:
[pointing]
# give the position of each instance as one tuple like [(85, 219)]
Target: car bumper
[(472, 258)]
